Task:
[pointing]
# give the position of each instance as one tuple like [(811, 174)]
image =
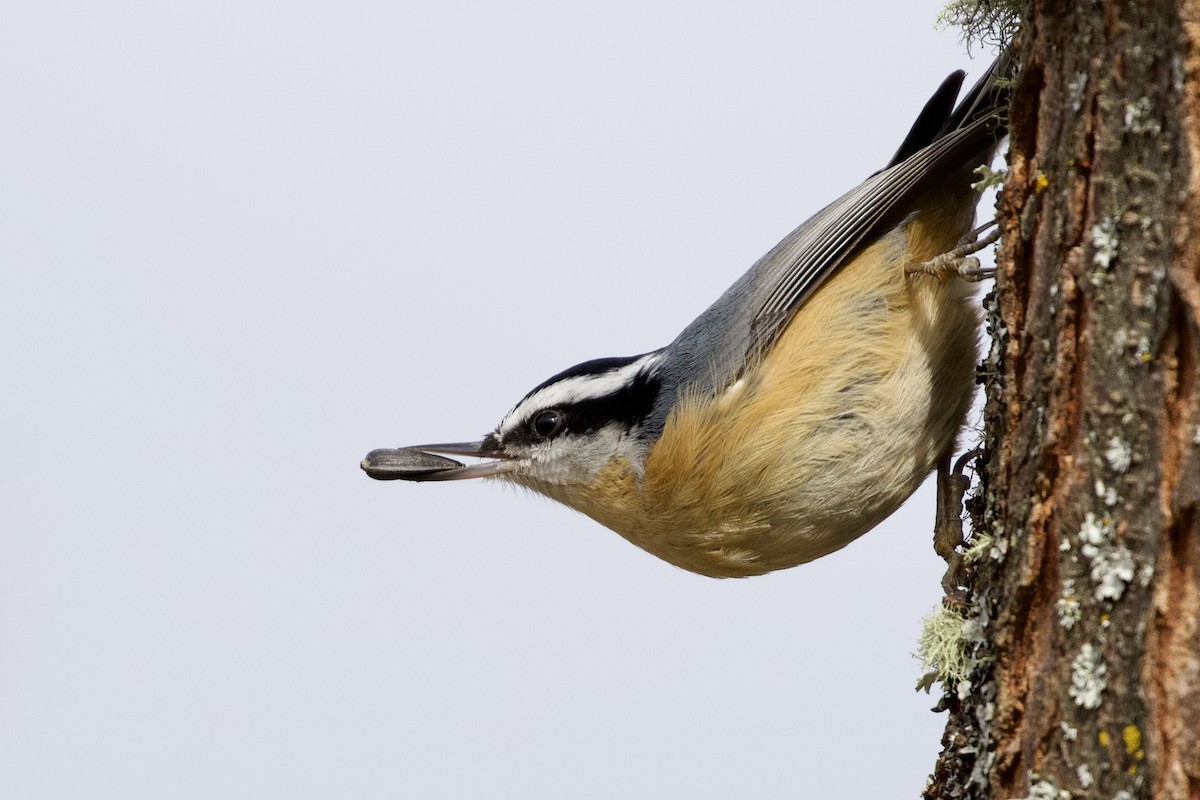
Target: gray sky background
[(245, 243)]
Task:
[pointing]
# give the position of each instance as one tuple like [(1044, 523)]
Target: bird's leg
[(960, 262), (952, 486)]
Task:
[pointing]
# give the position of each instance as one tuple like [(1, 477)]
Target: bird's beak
[(420, 464)]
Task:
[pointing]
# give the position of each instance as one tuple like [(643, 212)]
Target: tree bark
[(1083, 623)]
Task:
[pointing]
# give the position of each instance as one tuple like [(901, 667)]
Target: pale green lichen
[(942, 650), (978, 547), (989, 178), (983, 22)]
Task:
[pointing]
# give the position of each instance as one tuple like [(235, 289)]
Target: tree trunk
[(1084, 619)]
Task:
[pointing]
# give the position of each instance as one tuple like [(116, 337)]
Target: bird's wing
[(748, 317), (798, 265)]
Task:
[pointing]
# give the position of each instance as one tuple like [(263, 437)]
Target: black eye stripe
[(627, 407), (602, 393)]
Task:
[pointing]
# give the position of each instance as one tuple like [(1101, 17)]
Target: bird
[(801, 408)]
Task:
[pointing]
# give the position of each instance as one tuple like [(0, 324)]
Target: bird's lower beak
[(420, 464)]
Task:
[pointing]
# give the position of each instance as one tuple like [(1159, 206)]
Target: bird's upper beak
[(419, 463)]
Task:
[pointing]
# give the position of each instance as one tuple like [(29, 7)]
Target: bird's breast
[(816, 443)]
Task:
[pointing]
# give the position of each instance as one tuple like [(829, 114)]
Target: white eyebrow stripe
[(578, 388)]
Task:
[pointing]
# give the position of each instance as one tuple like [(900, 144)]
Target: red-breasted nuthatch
[(803, 407)]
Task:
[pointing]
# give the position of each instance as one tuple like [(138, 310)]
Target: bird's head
[(558, 440)]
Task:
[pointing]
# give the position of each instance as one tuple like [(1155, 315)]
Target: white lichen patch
[(1139, 117), (1088, 680), (1085, 776), (1069, 732), (1075, 90), (1047, 790), (1118, 454), (973, 632), (1112, 570), (982, 768), (1112, 565), (1143, 353), (1105, 241), (1095, 531), (1067, 606), (1107, 493), (999, 549)]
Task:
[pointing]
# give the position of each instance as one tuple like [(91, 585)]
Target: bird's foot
[(960, 262)]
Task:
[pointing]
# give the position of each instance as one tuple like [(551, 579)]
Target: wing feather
[(713, 350)]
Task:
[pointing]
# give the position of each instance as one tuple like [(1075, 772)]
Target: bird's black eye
[(547, 423)]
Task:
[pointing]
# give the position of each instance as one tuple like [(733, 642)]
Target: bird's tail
[(988, 98)]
